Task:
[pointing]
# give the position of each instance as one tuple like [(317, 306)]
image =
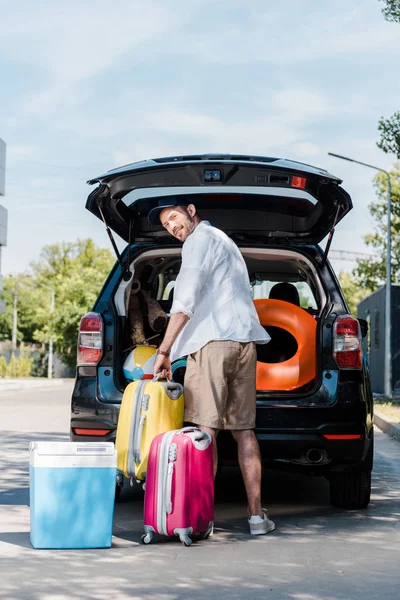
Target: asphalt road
[(317, 552)]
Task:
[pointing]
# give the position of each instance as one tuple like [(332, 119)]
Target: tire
[(118, 492), (369, 459), (350, 490)]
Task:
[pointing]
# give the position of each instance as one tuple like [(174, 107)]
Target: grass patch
[(391, 409)]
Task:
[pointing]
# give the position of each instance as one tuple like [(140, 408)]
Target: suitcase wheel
[(206, 534), (185, 539), (147, 537)]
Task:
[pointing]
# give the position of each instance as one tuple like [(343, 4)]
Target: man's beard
[(188, 227)]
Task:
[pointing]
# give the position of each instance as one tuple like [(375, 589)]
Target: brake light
[(347, 350), (342, 436), (299, 182), (90, 340), (98, 432)]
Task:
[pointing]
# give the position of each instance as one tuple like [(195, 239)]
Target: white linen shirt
[(213, 290)]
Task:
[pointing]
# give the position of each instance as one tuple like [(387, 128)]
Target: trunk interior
[(286, 275)]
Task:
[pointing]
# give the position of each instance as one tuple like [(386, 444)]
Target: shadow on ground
[(317, 552)]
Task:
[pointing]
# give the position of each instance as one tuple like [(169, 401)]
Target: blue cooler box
[(72, 491)]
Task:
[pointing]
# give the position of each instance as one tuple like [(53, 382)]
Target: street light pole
[(388, 315), (50, 361), (15, 318), (50, 365)]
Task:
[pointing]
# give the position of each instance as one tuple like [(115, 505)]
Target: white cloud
[(74, 42), (288, 35), (20, 153), (97, 83)]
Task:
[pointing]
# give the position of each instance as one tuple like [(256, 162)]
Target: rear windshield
[(265, 287), (260, 288)]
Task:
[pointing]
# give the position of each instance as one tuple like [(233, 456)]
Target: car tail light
[(98, 432), (347, 350), (342, 436), (90, 340)]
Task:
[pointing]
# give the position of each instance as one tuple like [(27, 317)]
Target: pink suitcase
[(179, 493)]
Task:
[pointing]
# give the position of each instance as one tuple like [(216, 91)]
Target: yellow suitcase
[(148, 408)]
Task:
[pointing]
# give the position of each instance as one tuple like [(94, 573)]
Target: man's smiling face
[(179, 221)]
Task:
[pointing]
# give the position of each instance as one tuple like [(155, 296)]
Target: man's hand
[(163, 365)]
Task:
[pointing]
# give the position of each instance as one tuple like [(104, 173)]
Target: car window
[(262, 289)]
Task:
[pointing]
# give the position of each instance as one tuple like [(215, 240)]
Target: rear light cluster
[(347, 350), (96, 432), (90, 340)]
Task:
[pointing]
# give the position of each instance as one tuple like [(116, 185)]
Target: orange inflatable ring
[(301, 368)]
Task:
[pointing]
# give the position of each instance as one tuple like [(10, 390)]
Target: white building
[(3, 211)]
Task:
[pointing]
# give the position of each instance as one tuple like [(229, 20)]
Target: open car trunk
[(155, 271), (250, 198)]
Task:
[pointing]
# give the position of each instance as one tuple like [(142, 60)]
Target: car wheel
[(118, 490), (369, 459), (350, 490)]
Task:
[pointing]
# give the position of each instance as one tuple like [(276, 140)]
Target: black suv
[(277, 211)]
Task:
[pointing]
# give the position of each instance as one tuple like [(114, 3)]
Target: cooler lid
[(72, 448)]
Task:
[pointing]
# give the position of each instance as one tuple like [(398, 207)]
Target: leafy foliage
[(390, 134), (76, 271), (392, 10), (352, 291), (370, 274), (17, 366), (390, 128)]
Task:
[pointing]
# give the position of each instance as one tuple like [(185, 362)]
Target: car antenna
[(330, 236)]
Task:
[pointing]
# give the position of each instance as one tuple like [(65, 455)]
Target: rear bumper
[(296, 446), (283, 432)]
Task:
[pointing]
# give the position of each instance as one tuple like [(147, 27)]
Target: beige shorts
[(220, 385)]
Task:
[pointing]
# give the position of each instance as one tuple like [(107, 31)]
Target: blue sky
[(87, 86)]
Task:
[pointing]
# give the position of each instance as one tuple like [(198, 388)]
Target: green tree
[(390, 128), (370, 274), (28, 298), (76, 271), (390, 134), (352, 291), (391, 11)]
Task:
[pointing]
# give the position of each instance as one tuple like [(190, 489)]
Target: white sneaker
[(259, 525)]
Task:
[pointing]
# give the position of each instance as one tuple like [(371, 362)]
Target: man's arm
[(163, 363), (188, 288), (176, 323)]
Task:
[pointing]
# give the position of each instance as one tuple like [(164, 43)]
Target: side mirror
[(363, 327)]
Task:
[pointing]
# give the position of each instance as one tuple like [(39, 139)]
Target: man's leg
[(250, 465), (213, 433), (206, 387)]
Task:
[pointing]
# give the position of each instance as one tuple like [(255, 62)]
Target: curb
[(9, 385), (387, 425)]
